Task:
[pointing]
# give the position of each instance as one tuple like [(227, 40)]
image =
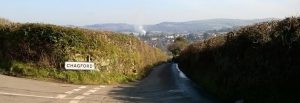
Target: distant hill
[(201, 25), (117, 27), (181, 27), (4, 21)]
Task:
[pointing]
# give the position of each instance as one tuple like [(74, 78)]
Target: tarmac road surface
[(163, 85)]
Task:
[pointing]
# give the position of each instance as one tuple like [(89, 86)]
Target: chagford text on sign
[(79, 65)]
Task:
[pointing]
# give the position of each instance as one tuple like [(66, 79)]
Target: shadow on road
[(158, 87)]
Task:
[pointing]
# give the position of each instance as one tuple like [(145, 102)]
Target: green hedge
[(30, 49), (258, 63)]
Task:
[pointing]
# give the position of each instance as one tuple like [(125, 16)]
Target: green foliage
[(179, 44), (40, 50), (258, 63)]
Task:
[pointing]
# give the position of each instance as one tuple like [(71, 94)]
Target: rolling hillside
[(181, 27)]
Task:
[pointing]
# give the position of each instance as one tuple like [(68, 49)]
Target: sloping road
[(161, 86)]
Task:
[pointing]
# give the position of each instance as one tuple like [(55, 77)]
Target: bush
[(179, 44), (258, 63), (44, 48)]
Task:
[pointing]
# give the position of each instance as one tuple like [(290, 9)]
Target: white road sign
[(79, 65)]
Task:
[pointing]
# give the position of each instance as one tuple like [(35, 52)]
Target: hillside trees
[(178, 45)]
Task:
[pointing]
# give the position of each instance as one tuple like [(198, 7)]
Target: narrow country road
[(161, 86)]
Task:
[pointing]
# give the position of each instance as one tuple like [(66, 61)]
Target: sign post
[(79, 65)]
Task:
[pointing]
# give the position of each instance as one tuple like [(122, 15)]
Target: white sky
[(83, 12)]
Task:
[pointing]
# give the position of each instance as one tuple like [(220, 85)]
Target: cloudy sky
[(82, 12)]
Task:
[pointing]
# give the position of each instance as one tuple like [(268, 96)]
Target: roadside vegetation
[(39, 51), (256, 64), (178, 45)]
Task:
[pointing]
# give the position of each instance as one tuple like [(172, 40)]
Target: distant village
[(162, 39)]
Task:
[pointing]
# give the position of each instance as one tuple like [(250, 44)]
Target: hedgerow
[(39, 51), (257, 64)]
